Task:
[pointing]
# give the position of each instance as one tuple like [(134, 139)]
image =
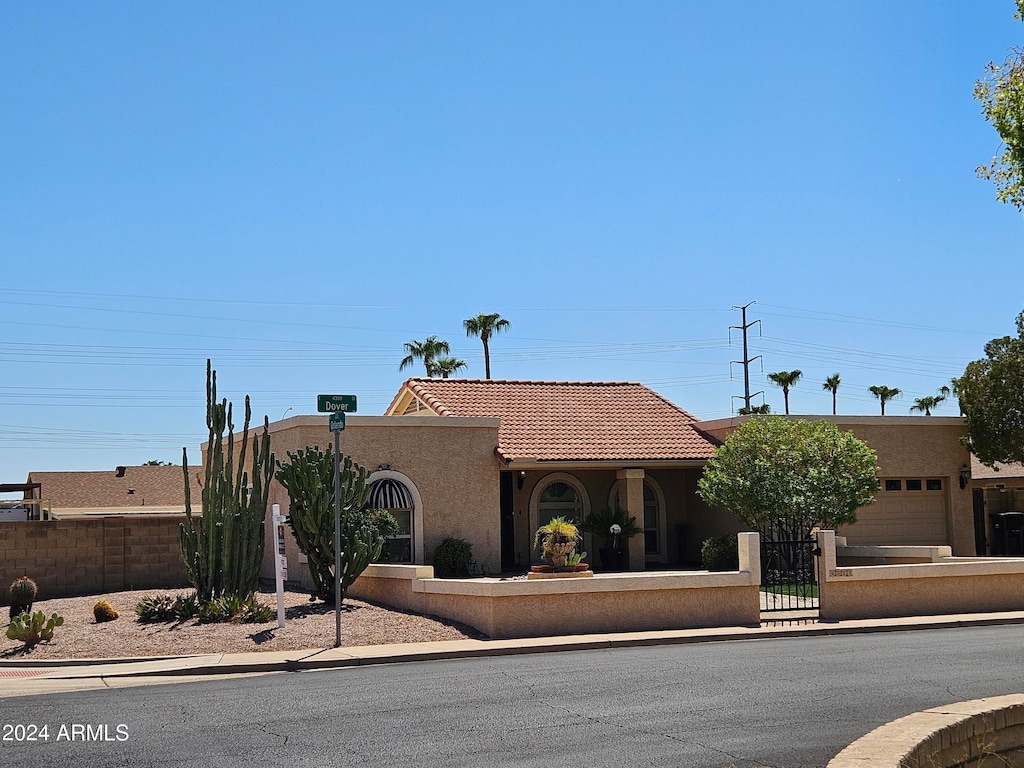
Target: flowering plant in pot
[(557, 541), (615, 527)]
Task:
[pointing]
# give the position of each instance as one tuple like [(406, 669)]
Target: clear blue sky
[(297, 189)]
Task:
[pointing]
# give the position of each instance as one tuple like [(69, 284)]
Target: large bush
[(785, 476), (452, 558)]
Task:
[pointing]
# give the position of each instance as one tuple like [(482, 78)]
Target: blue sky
[(295, 190)]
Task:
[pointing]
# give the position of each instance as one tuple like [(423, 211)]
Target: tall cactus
[(308, 477), (223, 550)]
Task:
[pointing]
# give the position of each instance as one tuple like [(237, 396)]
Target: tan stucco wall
[(450, 461), (907, 446), (605, 603), (948, 586)]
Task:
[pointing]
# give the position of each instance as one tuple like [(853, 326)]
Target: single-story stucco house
[(490, 460)]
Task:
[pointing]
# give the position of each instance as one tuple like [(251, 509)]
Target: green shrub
[(167, 608), (31, 628), (452, 558), (721, 553), (236, 610)]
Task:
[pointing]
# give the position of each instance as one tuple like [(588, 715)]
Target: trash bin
[(1007, 534)]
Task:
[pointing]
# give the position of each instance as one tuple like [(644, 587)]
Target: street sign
[(336, 403), (337, 421)]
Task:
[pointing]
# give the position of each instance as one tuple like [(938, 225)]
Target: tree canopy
[(485, 326), (785, 379), (991, 394), (791, 474), (1001, 93), (427, 351), (884, 394)]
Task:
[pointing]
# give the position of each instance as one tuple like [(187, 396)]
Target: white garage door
[(906, 511)]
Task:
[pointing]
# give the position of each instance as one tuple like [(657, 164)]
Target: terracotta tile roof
[(152, 486), (567, 421)]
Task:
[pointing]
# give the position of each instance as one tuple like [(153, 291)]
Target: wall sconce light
[(965, 476), (520, 479)]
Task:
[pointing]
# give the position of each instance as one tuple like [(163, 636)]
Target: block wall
[(89, 556)]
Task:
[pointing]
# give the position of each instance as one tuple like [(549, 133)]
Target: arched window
[(392, 494), (557, 494), (559, 500), (653, 518)]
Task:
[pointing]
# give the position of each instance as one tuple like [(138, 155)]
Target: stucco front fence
[(900, 582), (614, 602)]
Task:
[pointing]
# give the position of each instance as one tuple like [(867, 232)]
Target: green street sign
[(336, 403), (337, 421)]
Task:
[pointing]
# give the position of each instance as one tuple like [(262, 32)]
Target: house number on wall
[(838, 572)]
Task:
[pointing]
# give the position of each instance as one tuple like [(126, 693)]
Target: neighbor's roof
[(1000, 472), (564, 421), (139, 486)]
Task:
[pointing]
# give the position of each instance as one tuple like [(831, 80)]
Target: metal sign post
[(337, 538), (337, 406)]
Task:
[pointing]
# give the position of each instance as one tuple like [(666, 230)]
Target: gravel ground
[(307, 625)]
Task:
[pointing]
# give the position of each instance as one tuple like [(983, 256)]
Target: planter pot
[(542, 569), (612, 558), (570, 568)]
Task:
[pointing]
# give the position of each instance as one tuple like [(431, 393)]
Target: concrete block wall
[(89, 556)]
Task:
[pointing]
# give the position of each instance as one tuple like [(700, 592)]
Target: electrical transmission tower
[(747, 360)]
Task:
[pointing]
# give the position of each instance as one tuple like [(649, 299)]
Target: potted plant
[(614, 527), (557, 541)]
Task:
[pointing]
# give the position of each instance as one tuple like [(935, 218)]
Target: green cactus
[(308, 477), (23, 593), (223, 550), (32, 628)]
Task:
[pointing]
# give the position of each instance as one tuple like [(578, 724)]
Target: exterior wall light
[(965, 476), (520, 479)]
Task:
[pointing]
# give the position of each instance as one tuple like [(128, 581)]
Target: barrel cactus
[(23, 593)]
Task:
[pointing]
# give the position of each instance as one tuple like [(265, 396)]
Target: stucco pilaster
[(631, 499)]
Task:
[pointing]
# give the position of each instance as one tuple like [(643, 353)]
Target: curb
[(333, 658)]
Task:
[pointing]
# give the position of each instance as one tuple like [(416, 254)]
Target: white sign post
[(280, 561)]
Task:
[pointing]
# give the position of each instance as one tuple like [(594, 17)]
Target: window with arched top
[(653, 519), (558, 494), (393, 495), (559, 499)]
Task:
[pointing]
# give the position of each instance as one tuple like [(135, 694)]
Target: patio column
[(631, 499)]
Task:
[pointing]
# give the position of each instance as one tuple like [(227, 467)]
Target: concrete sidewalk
[(29, 677)]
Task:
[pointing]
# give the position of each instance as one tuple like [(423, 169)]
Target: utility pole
[(747, 360)]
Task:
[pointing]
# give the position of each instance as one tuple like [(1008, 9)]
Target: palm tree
[(446, 366), (884, 394), (785, 379), (930, 401), (832, 385), (427, 351), (485, 326)]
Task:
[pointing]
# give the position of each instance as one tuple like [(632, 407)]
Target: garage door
[(906, 511)]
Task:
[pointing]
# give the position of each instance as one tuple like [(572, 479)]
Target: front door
[(508, 521)]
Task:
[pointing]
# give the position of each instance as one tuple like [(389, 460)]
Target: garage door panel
[(901, 518)]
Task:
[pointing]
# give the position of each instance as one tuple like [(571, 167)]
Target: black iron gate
[(789, 575)]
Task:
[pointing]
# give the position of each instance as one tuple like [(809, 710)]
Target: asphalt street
[(772, 702)]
